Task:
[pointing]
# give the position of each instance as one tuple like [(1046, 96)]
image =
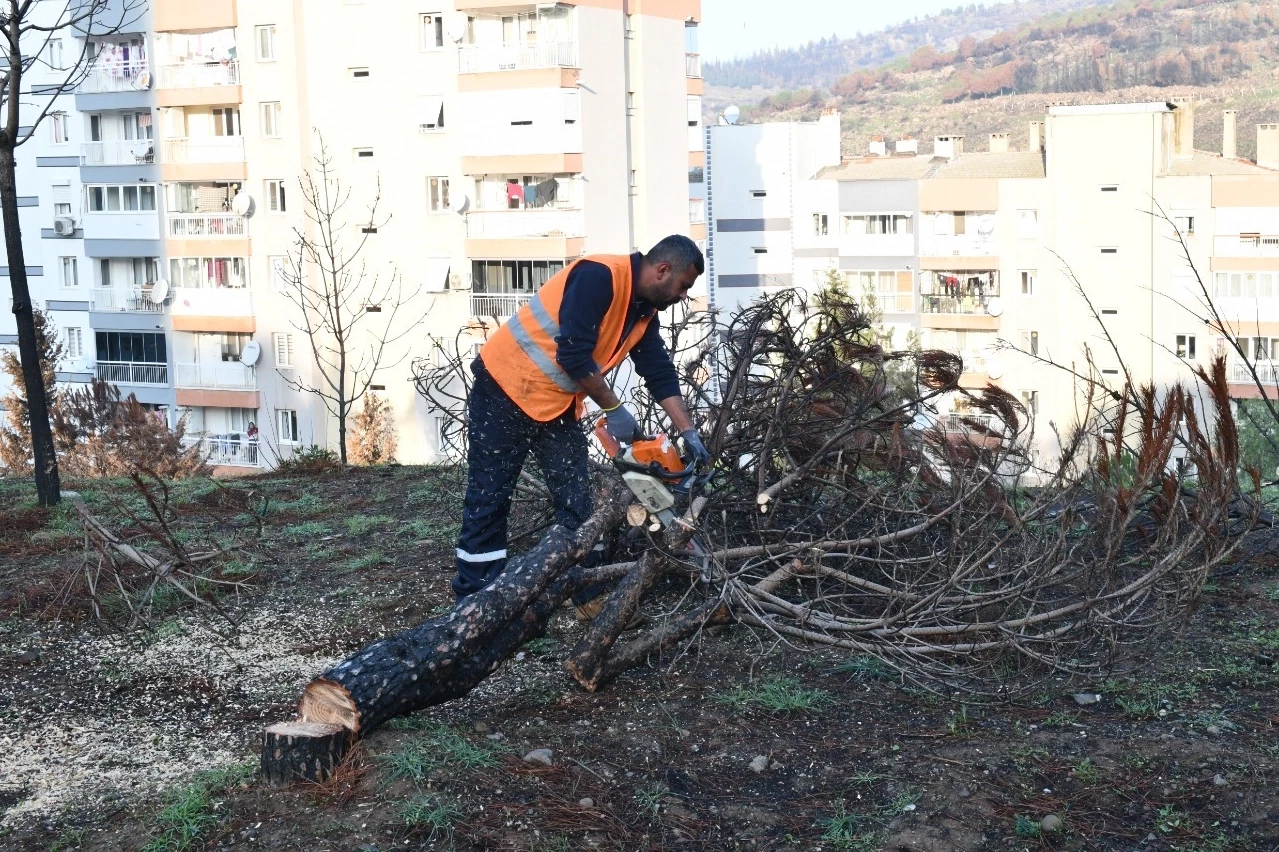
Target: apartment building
[(969, 248), (504, 140)]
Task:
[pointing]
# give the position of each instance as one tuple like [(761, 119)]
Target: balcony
[(213, 301), (524, 224), (207, 149), (135, 300), (962, 305), (895, 302), (197, 75), (481, 58), (231, 450), (963, 245), (1247, 245), (697, 211), (500, 305), (188, 226), (692, 65), (132, 373), (963, 421), (1267, 371), (219, 375), (107, 77), (121, 152)]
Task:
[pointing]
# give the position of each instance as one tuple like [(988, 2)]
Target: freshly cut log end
[(302, 751), (636, 515), (328, 703)]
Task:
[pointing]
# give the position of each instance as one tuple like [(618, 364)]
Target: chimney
[(1229, 134), (998, 143), (1183, 127), (948, 147), (1036, 136), (877, 146), (1268, 145), (907, 145)]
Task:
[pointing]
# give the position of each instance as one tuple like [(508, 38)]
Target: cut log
[(302, 751)]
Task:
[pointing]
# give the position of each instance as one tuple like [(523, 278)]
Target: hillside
[(821, 63), (1224, 53)]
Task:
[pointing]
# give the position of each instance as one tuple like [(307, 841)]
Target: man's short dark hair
[(679, 251)]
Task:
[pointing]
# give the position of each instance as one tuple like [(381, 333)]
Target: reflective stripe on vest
[(539, 358)]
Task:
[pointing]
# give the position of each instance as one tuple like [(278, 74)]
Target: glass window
[(113, 199), (130, 198), (265, 40), (288, 426), (432, 29), (69, 273), (270, 115), (437, 194)]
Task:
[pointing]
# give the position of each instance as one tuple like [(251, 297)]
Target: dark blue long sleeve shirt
[(588, 294)]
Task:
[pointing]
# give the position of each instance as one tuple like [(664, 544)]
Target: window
[(55, 54), (1110, 312), (1185, 224), (358, 73), (697, 211), (231, 345), (892, 289), (572, 106), (62, 199), (634, 178), (821, 225), (630, 103), (283, 345), (208, 272), (878, 225), (275, 196), (437, 194), (697, 174), (287, 425), (1251, 285), (58, 125), (264, 38), (75, 343), (1030, 342), (1262, 349), (1109, 187), (961, 223), (512, 276), (130, 347), (1186, 347), (432, 116), (1027, 224), (1030, 401), (432, 28), (368, 229), (226, 121), (1109, 250), (1028, 282), (363, 153), (279, 273), (68, 274), (269, 111), (759, 193), (693, 110), (760, 249)]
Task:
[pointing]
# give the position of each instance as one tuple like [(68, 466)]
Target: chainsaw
[(655, 473)]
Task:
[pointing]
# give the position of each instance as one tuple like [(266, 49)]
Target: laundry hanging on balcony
[(546, 191)]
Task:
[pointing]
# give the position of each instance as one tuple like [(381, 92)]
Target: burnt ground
[(147, 738)]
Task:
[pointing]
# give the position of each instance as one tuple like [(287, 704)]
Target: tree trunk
[(48, 488), (302, 751)]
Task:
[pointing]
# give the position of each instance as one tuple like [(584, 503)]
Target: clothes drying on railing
[(514, 192), (546, 192)]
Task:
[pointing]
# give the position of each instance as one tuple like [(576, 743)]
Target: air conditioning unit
[(64, 226)]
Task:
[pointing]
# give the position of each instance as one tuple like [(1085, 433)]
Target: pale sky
[(740, 27)]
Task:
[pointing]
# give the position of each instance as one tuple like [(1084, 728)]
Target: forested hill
[(821, 63)]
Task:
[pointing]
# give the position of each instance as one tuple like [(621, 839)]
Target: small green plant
[(361, 524), (306, 505), (306, 529), (865, 668), (430, 812), (842, 830), (779, 695), (1272, 592), (1086, 772), (1268, 639), (649, 799), (1169, 819), (313, 459), (957, 723), (368, 560), (191, 811), (541, 645), (1026, 827), (440, 747), (1059, 719)]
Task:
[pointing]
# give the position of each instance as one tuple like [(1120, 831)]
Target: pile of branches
[(847, 511)]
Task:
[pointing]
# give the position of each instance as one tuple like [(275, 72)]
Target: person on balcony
[(531, 381)]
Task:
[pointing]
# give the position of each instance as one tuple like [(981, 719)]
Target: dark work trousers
[(499, 437)]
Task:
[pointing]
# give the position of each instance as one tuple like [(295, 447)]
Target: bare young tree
[(352, 316), (34, 33)]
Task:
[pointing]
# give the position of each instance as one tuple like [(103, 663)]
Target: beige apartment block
[(504, 139)]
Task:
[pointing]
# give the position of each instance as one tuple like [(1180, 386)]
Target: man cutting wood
[(533, 376)]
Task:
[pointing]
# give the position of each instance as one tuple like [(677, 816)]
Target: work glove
[(693, 443), (621, 424)]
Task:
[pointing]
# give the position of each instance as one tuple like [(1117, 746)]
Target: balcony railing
[(132, 373), (692, 65), (135, 300), (121, 152), (961, 421), (190, 75), (232, 449), (518, 224), (895, 302), (1248, 245), (184, 225), (220, 375), (1267, 371), (968, 305), (213, 301), (476, 58), (208, 149), (115, 78), (498, 305), (963, 245)]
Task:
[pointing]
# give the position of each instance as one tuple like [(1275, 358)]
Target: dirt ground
[(147, 739)]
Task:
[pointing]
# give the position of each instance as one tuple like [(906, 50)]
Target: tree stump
[(302, 751)]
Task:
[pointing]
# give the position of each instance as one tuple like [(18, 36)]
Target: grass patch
[(779, 695), (368, 560), (426, 529), (1026, 827), (440, 747), (864, 669), (1086, 772), (307, 505), (306, 529), (430, 812), (842, 830), (362, 524), (192, 810)]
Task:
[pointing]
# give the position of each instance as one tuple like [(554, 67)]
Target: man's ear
[(662, 269)]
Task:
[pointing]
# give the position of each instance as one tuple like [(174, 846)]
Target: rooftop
[(1208, 163), (1000, 164), (1111, 109), (909, 167)]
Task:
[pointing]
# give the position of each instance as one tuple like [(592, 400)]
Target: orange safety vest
[(521, 354)]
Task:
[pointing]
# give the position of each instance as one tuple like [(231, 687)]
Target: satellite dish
[(995, 307), (142, 81), (995, 367), (986, 225), (243, 205), (159, 292), (456, 31), (460, 202), (252, 352), (732, 114)]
